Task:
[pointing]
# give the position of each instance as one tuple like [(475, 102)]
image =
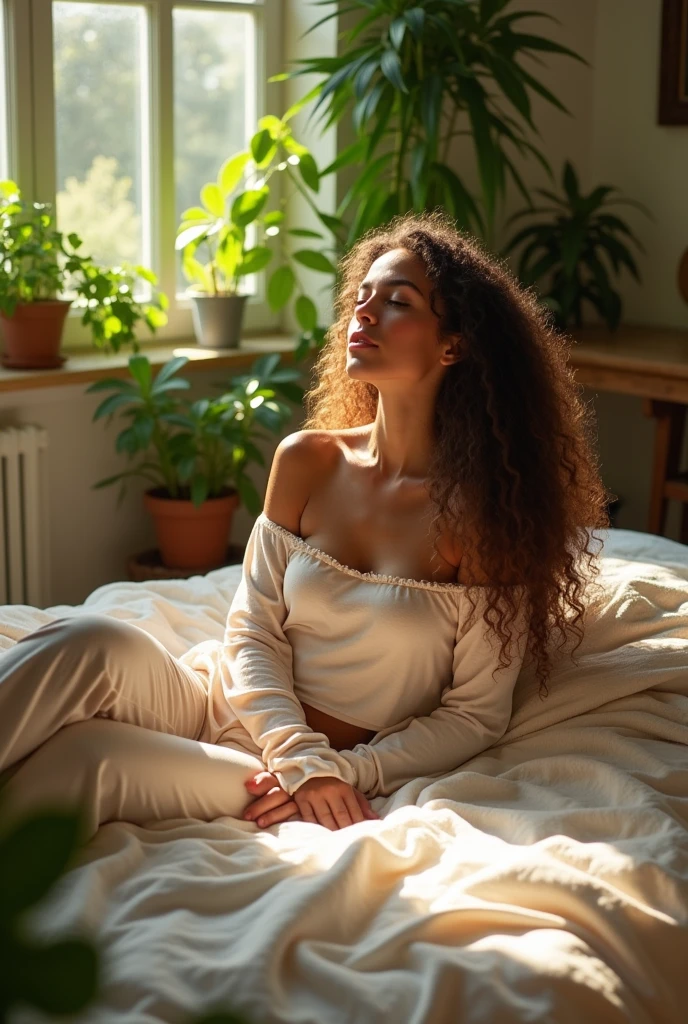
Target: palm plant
[(570, 248), (410, 71)]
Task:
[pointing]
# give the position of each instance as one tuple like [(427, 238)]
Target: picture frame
[(673, 65)]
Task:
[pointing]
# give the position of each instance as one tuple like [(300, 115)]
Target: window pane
[(101, 114), (214, 101)]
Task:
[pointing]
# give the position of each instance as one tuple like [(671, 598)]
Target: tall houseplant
[(37, 264), (570, 255), (195, 455), (231, 208), (411, 75)]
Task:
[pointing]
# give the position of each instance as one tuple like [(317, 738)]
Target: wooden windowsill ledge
[(82, 367)]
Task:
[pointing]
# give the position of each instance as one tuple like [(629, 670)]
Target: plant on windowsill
[(195, 455), (38, 263), (564, 255), (231, 209)]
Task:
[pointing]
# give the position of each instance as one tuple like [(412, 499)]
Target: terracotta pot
[(33, 334), (190, 537)]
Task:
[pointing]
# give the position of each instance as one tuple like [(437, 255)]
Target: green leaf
[(199, 490), (542, 90), (570, 182), (212, 199), (33, 855), (261, 144), (195, 213), (231, 173), (530, 42), (194, 233), (254, 261), (415, 19), (572, 242), (486, 151), (309, 171), (431, 107), (306, 313), (280, 287), (113, 403), (268, 417), (247, 206), (300, 104), (390, 65), (304, 233), (263, 367), (114, 382), (366, 107), (140, 369), (273, 219), (507, 77), (383, 112), (291, 391), (397, 31), (60, 978), (350, 155), (314, 261)]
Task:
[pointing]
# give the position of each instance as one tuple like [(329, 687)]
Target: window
[(133, 106)]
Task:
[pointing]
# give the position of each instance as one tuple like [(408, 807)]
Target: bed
[(546, 879)]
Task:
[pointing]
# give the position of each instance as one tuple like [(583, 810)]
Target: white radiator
[(23, 516)]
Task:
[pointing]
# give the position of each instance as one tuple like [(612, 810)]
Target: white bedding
[(544, 880)]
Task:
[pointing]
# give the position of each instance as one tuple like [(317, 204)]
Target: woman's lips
[(360, 340)]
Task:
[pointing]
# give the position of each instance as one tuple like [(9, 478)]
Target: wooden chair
[(668, 481)]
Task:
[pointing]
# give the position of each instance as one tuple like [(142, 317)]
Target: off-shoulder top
[(388, 654)]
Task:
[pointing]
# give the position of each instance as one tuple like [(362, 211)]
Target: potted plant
[(409, 73), (37, 263), (195, 455), (232, 208), (568, 250)]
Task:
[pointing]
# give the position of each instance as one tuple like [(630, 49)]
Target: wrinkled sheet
[(546, 879)]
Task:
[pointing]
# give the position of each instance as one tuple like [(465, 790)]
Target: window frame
[(32, 150)]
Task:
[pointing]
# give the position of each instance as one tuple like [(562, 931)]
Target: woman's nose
[(364, 313)]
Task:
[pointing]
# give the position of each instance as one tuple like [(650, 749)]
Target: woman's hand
[(331, 802), (274, 805)]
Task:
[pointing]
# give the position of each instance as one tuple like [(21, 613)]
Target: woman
[(419, 536)]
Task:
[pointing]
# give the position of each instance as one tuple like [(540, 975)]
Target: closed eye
[(390, 302)]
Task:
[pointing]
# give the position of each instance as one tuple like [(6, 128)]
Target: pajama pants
[(95, 714)]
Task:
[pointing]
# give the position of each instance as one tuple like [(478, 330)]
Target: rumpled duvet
[(545, 880)]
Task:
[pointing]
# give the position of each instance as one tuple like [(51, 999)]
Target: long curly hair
[(514, 474)]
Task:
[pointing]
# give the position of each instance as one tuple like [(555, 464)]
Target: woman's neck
[(401, 440)]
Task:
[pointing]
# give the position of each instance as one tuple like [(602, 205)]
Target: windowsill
[(87, 365)]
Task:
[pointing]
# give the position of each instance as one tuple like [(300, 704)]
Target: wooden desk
[(652, 363)]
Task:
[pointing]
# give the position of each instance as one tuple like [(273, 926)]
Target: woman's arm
[(257, 653), (474, 713)]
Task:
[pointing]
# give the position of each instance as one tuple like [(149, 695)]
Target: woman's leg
[(58, 687), (114, 771), (76, 668)]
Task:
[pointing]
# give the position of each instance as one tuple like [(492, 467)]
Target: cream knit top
[(388, 654)]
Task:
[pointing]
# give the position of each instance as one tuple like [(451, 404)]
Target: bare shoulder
[(299, 460)]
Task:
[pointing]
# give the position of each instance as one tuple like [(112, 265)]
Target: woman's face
[(393, 310)]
